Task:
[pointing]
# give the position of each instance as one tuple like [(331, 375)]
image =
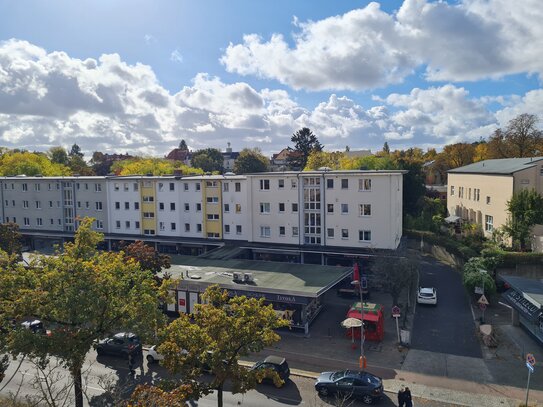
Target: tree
[(521, 138), (386, 148), (183, 146), (147, 256), (58, 155), (250, 161), (82, 295), (31, 164), (11, 239), (76, 151), (396, 274), (209, 160), (526, 210), (475, 271), (223, 330), (155, 166), (304, 143), (318, 159)]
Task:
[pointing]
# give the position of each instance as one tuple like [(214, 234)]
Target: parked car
[(153, 356), (35, 325), (350, 383), (427, 295), (121, 344), (276, 363)]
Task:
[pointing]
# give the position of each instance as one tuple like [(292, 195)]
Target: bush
[(451, 245)]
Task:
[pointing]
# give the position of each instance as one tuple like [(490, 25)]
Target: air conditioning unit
[(248, 277), (237, 276)]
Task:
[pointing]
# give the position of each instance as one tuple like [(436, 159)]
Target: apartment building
[(479, 192), (316, 209)]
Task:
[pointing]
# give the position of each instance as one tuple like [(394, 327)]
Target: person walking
[(131, 364), (401, 397), (407, 397)]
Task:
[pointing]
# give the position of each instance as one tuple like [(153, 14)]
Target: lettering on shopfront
[(286, 298)]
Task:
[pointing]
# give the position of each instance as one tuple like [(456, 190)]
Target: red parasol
[(356, 273)]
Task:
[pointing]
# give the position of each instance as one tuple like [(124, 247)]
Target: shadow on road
[(288, 394)]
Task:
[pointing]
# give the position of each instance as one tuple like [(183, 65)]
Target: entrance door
[(193, 300)]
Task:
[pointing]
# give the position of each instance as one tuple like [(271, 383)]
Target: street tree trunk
[(219, 395), (78, 386)]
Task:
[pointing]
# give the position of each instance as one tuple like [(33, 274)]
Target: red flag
[(356, 273)]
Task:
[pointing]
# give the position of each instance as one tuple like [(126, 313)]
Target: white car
[(427, 295), (153, 356)]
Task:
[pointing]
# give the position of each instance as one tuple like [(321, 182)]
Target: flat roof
[(532, 289), (503, 166), (307, 280)]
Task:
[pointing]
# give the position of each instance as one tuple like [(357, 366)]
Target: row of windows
[(475, 196), (162, 226), (363, 235), (99, 224), (364, 184), (52, 186), (51, 204), (363, 209)]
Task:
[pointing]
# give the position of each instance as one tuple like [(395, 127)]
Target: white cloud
[(149, 39), (367, 48), (176, 56)]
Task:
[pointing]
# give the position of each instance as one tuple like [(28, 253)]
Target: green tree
[(154, 166), (396, 275), (250, 160), (76, 151), (147, 256), (31, 164), (223, 330), (386, 148), (58, 155), (11, 239), (305, 142), (183, 145), (526, 210), (209, 160), (475, 271), (82, 295), (318, 159)]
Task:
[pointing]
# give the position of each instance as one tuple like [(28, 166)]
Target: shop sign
[(284, 298), (522, 303)]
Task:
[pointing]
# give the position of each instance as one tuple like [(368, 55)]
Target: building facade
[(319, 209)]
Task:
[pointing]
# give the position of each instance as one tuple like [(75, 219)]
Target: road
[(447, 327), (106, 380)]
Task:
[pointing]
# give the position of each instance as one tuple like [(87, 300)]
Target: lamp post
[(356, 281)]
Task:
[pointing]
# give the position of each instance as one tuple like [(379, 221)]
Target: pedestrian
[(131, 364), (401, 397), (407, 397)]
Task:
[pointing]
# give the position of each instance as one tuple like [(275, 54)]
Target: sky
[(138, 76)]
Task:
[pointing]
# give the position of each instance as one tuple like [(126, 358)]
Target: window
[(344, 233), (49, 186), (115, 186), (264, 207), (295, 231), (136, 206), (469, 193), (161, 226), (330, 183), (330, 208), (187, 207), (211, 184), (364, 184), (330, 233), (238, 229), (460, 192), (281, 231), (99, 224), (212, 199), (125, 186), (25, 204), (365, 210), (226, 208), (137, 224), (87, 204), (212, 216), (148, 215), (452, 190), (25, 187), (173, 226), (160, 188), (225, 186), (127, 205), (238, 186), (476, 194), (489, 223), (117, 205), (37, 187), (212, 235), (136, 186), (79, 204), (26, 221), (197, 186), (117, 224), (364, 235), (265, 231), (344, 208), (148, 199), (172, 187), (281, 207), (86, 186), (238, 208), (52, 221), (127, 224), (226, 228), (38, 204), (344, 183), (161, 206), (198, 207), (293, 183), (148, 231), (98, 206), (281, 183), (199, 227), (295, 207), (488, 200), (186, 186), (39, 222), (264, 184)]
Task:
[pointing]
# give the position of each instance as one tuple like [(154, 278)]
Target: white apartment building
[(358, 210)]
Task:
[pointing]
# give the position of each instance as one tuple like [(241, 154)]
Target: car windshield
[(337, 375), (426, 294)]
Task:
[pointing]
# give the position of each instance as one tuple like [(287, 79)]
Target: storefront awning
[(522, 305), (452, 219)]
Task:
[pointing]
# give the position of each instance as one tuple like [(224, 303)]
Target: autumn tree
[(11, 239), (250, 160), (209, 160), (154, 166), (31, 164), (526, 210), (305, 142), (396, 275), (318, 159), (147, 256), (58, 155), (82, 295), (223, 330), (521, 138)]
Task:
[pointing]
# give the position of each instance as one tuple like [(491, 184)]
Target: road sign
[(530, 367), (530, 359), (479, 290), (483, 300), (482, 306), (395, 311)]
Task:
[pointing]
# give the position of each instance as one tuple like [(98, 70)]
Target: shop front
[(374, 324)]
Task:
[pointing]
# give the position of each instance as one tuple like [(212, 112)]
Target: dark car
[(35, 325), (120, 344), (350, 383), (276, 363)]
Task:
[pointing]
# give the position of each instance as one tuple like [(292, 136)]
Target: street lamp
[(356, 282)]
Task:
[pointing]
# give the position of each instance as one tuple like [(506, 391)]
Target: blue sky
[(139, 76)]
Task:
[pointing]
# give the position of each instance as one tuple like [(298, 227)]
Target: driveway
[(448, 327)]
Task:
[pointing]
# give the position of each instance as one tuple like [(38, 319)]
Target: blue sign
[(530, 367)]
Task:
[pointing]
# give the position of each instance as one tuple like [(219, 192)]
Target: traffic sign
[(483, 300), (395, 311), (530, 359), (530, 367), (482, 306)]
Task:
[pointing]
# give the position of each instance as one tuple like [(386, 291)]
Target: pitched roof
[(502, 166)]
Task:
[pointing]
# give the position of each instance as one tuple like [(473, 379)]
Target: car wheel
[(150, 359), (367, 399), (323, 391)]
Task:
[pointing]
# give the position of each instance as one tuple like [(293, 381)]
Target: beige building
[(479, 192)]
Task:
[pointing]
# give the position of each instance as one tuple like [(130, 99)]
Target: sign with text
[(395, 311)]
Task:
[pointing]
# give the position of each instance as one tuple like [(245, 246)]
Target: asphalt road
[(106, 380), (447, 327)]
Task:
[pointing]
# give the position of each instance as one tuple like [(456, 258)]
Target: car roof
[(123, 335), (276, 360), (427, 290)]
